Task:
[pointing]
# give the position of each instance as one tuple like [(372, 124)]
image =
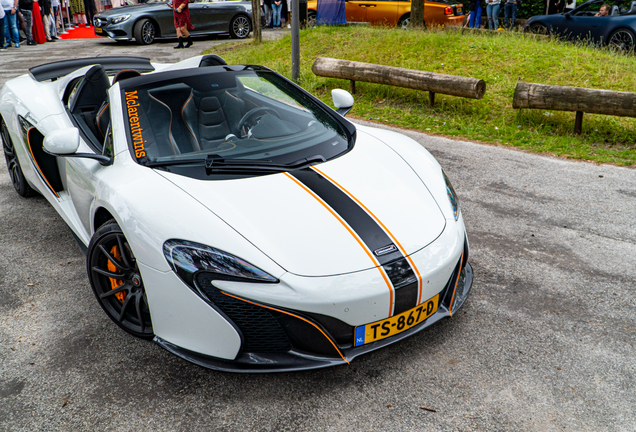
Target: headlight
[(452, 196), (119, 19), (188, 258)]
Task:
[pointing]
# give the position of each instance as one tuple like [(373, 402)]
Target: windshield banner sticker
[(132, 103)]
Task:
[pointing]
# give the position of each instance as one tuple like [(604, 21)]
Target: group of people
[(274, 10), (493, 9), (39, 24)]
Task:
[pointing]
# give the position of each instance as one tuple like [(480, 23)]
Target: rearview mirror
[(342, 100), (62, 142)]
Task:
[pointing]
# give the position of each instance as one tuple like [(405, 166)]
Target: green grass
[(500, 61)]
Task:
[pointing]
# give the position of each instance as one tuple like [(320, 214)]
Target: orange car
[(392, 13)]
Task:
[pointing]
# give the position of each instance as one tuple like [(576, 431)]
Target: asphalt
[(545, 342)]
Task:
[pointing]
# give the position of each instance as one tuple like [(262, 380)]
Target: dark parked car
[(154, 19), (617, 30)]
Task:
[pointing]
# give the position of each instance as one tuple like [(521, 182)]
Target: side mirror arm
[(103, 160), (343, 111)]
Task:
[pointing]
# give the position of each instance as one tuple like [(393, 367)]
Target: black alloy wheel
[(13, 164), (540, 29), (145, 32), (240, 27), (116, 280), (622, 41)]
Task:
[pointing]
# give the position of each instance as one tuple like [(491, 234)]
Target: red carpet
[(80, 33)]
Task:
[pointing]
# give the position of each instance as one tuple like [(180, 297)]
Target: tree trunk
[(256, 16), (409, 78), (562, 98), (417, 14)]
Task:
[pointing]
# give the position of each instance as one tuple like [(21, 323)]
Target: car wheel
[(405, 22), (539, 28), (116, 280), (145, 32), (240, 27), (622, 41), (13, 164), (312, 19)]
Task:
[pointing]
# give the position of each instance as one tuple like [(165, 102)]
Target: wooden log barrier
[(577, 99), (409, 78)]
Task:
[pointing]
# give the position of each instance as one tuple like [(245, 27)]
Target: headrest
[(209, 103), (124, 74)]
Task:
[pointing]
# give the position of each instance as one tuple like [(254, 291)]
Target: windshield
[(248, 115)]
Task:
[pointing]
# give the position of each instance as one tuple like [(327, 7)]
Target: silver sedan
[(154, 19)]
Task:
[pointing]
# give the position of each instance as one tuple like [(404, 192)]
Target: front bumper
[(121, 31), (298, 357)]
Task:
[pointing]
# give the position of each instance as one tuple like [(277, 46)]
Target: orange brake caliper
[(114, 283)]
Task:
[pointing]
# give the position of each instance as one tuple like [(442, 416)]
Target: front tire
[(240, 27), (145, 32), (116, 281), (622, 40), (539, 28), (312, 19), (405, 22), (13, 164)]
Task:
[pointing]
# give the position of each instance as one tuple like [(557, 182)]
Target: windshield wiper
[(215, 164)]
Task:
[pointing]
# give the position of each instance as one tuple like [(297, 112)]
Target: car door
[(382, 12), (580, 24), (356, 10), (200, 15)]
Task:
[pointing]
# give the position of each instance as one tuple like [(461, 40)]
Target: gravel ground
[(545, 342)]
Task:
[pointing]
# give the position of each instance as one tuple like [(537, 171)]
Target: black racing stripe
[(397, 268)]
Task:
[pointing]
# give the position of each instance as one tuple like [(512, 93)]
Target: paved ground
[(545, 342)]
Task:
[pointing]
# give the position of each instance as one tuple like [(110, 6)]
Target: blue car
[(616, 30)]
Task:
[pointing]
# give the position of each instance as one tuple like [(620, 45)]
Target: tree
[(256, 15), (417, 14)]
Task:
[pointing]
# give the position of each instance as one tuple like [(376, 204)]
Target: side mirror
[(62, 142), (342, 100), (65, 142)]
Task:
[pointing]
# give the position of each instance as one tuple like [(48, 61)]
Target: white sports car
[(233, 217)]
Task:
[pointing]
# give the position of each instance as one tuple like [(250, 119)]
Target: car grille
[(100, 22), (261, 330)]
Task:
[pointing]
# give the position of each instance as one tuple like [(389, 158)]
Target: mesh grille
[(261, 330)]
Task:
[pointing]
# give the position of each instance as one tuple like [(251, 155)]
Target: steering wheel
[(251, 118)]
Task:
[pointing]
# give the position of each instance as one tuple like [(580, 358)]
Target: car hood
[(286, 219)]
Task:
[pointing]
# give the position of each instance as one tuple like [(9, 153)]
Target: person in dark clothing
[(90, 10), (267, 8), (474, 6), (26, 8), (555, 7)]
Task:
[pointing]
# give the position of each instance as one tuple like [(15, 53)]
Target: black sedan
[(616, 30), (154, 19)]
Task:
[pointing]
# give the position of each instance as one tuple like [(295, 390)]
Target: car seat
[(615, 11), (88, 99)]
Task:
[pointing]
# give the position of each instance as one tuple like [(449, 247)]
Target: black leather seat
[(212, 117), (87, 101)]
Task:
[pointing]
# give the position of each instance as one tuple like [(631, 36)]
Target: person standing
[(26, 8), (493, 7), (55, 5), (10, 8), (90, 11), (267, 8), (510, 13), (277, 6), (2, 29), (182, 22), (475, 14)]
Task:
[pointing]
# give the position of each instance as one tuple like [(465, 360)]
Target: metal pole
[(295, 40)]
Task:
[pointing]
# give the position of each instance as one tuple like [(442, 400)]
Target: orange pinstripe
[(419, 277), (355, 236), (450, 308), (290, 314)]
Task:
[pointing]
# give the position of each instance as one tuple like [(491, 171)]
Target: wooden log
[(578, 123), (409, 78), (562, 98)]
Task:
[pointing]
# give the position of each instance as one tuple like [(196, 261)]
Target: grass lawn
[(500, 61)]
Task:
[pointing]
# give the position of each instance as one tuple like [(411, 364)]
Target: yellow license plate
[(396, 324), (98, 30)]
